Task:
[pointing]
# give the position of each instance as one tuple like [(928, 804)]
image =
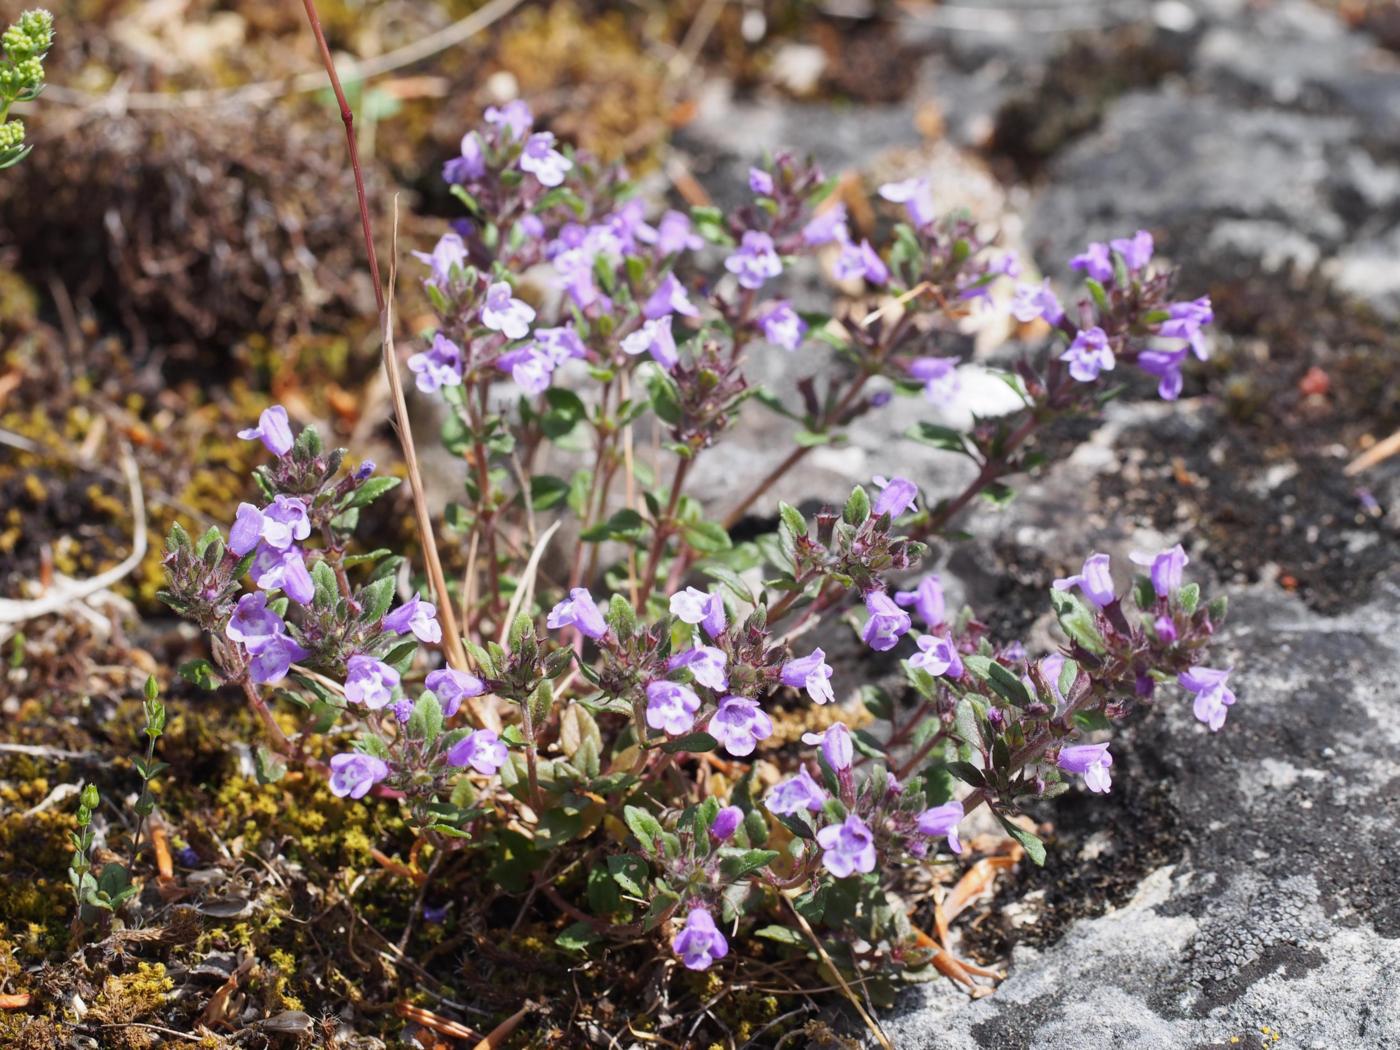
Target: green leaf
[(707, 537), (857, 508), (1077, 621), (375, 599), (1035, 849), (691, 742), (642, 824), (1189, 596), (547, 491), (323, 576), (268, 766), (793, 519), (731, 580), (940, 437), (624, 524), (425, 723), (201, 673), (630, 872), (1003, 682), (736, 863), (782, 935), (578, 937), (370, 491)]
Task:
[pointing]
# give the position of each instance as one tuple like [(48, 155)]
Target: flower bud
[(726, 822)]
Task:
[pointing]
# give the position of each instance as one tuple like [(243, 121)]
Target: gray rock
[(1284, 909)]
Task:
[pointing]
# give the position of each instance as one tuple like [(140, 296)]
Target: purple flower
[(273, 569), (449, 251), (1135, 250), (246, 530), (284, 521), (887, 623), (481, 749), (370, 682), (847, 847), (1094, 261), (531, 369), (403, 710), (1213, 696), (896, 496), (514, 116), (943, 820), (669, 298), (469, 166), (1165, 628), (781, 326), (937, 656), (861, 260), (655, 338), (835, 744), (726, 822), (1094, 580), (543, 161), (273, 658), (354, 773), (939, 376), (755, 261), (1092, 761), (760, 182), (672, 234), (1166, 366), (693, 606), (811, 673), (506, 315), (699, 943), (1089, 355), (671, 707), (795, 794), (253, 623), (915, 195), (1186, 321), (1030, 301), (272, 430), (437, 367), (1165, 568), (706, 665), (927, 600), (739, 724), (417, 616), (451, 687), (826, 226), (559, 344), (578, 610)]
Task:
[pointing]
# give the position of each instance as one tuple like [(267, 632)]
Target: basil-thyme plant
[(598, 740)]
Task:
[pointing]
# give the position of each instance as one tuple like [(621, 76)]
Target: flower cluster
[(24, 45), (621, 707)]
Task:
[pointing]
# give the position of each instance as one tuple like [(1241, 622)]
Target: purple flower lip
[(1095, 581), (671, 707), (848, 847), (581, 611), (887, 623), (1092, 761), (943, 820), (353, 774), (699, 943), (739, 724), (273, 430)]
